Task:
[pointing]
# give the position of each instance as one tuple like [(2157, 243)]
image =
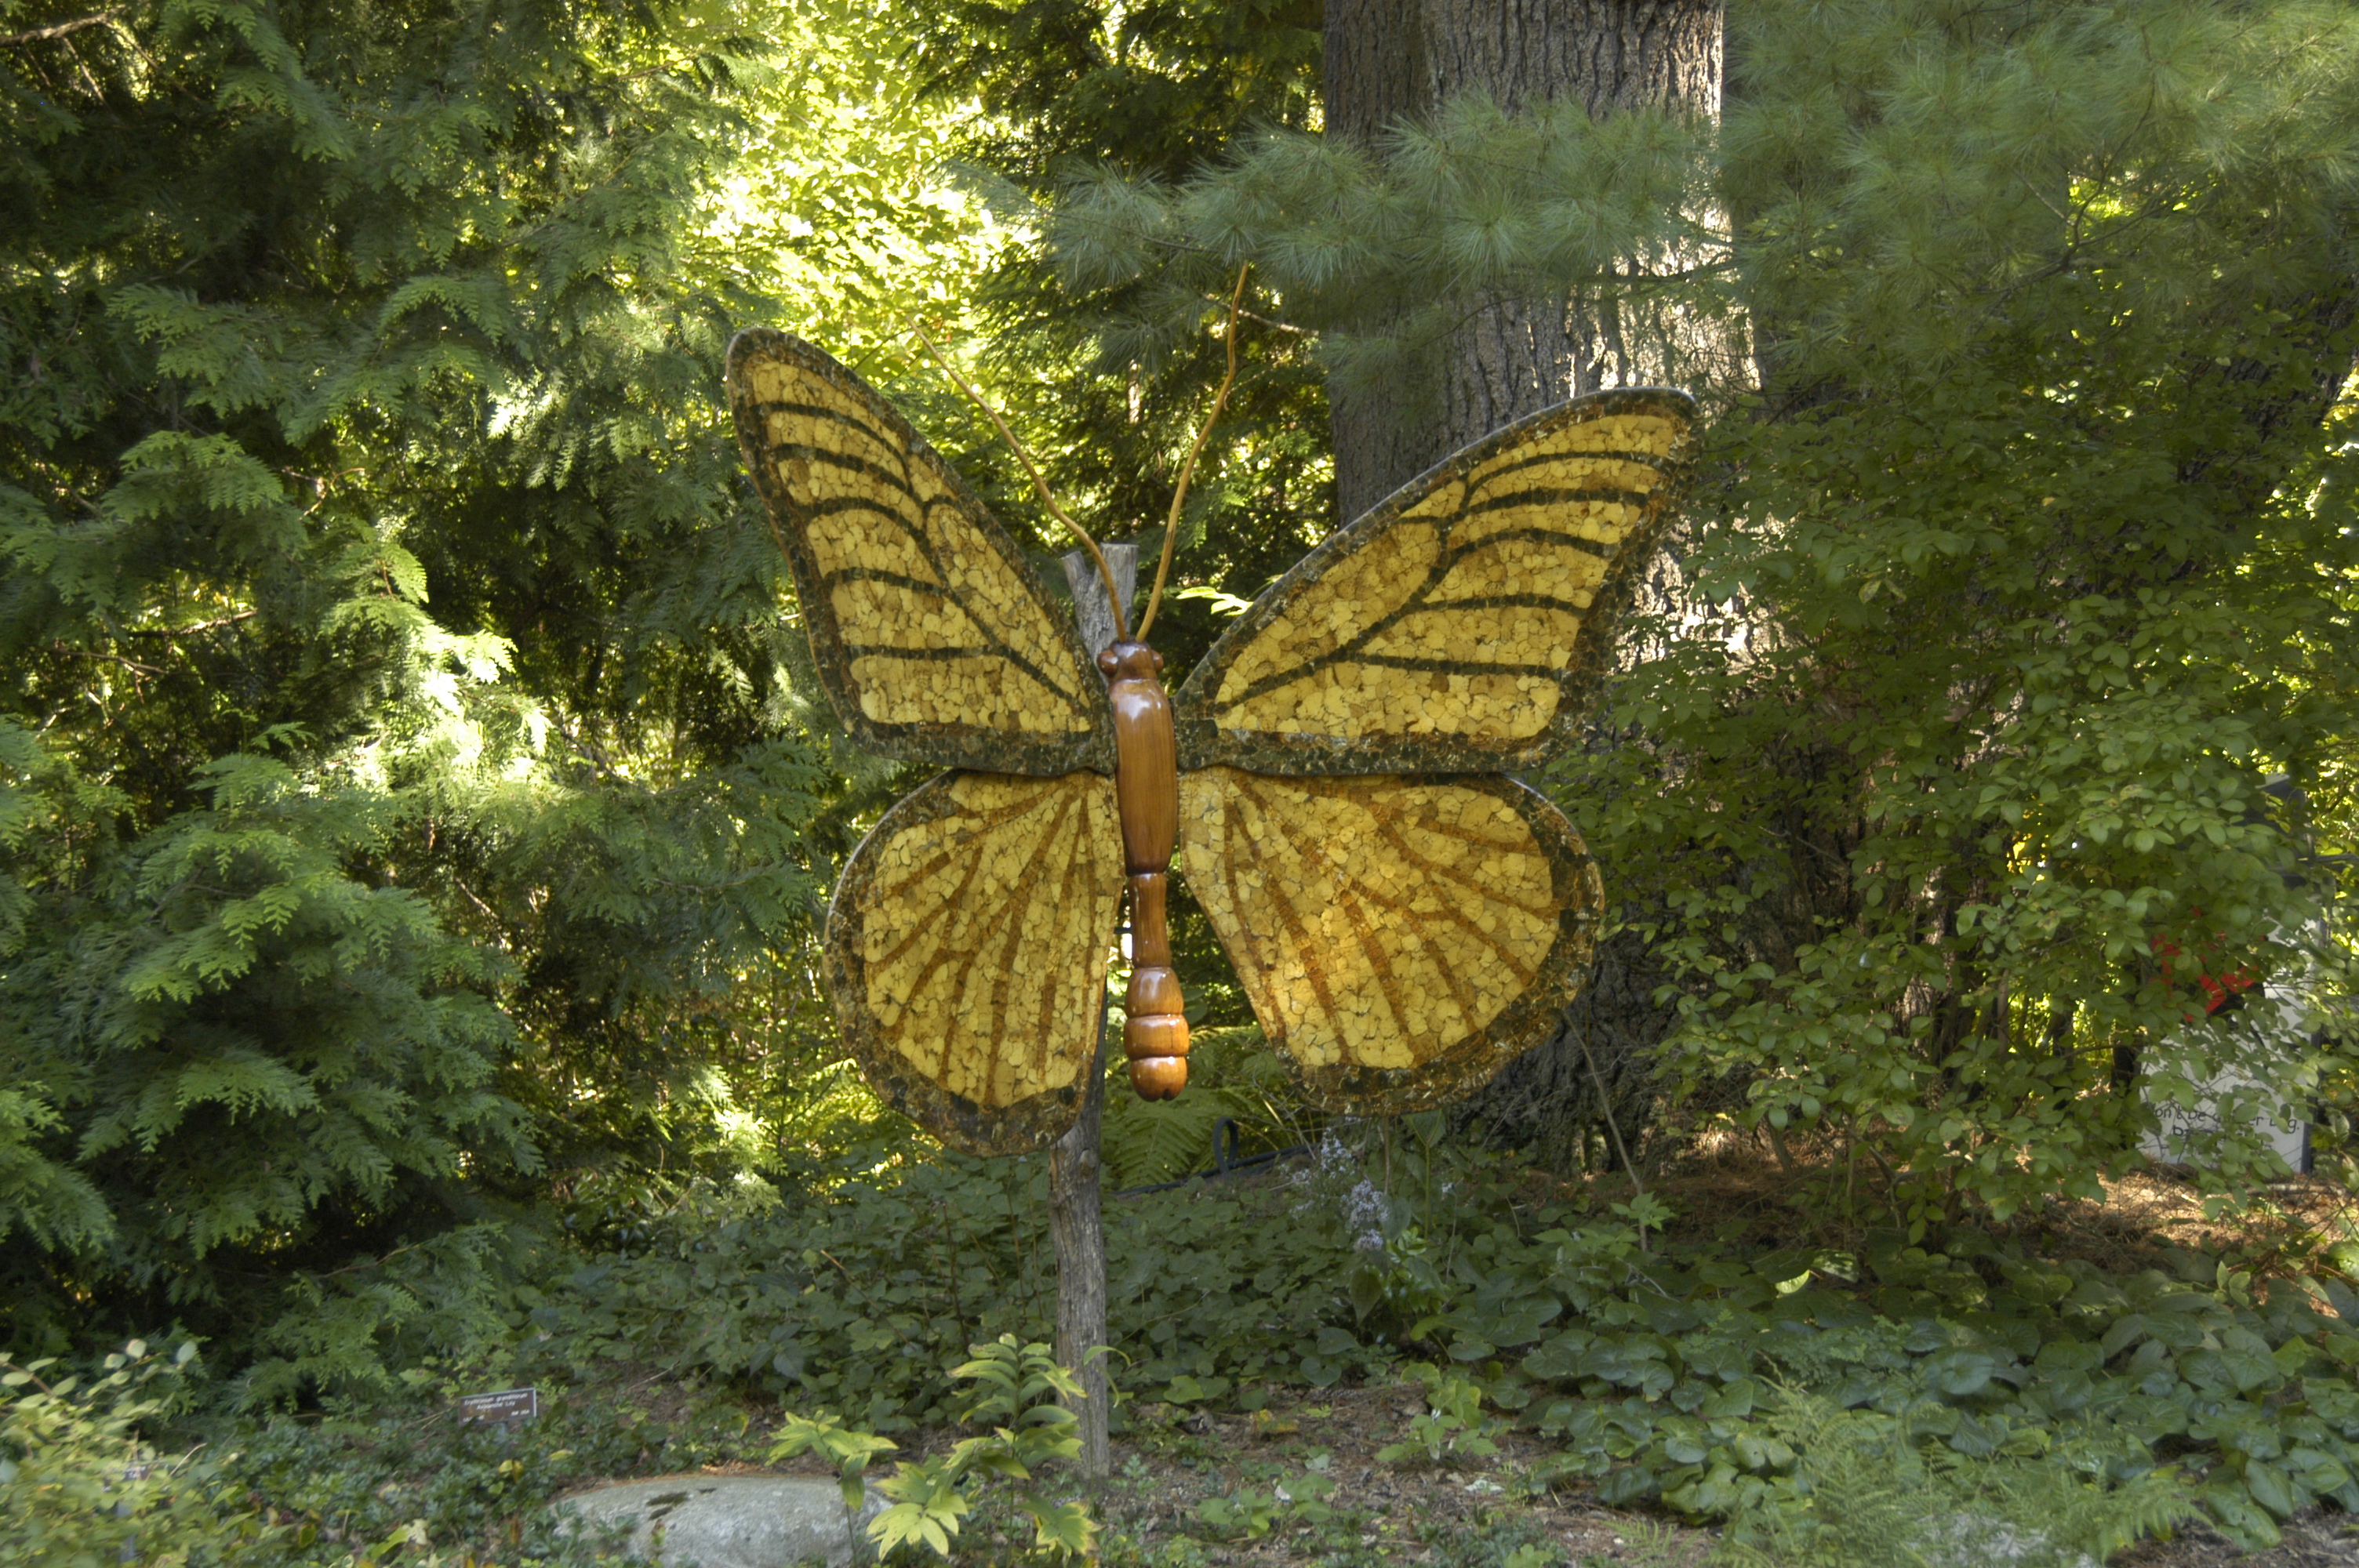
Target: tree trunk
[(1076, 1221), (1390, 59)]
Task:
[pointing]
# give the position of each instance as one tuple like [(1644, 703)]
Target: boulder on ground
[(727, 1521)]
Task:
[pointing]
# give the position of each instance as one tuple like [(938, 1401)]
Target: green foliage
[(1154, 90), (1655, 1374), (1863, 1493), (1232, 1076), (79, 1486), (2018, 563), (1292, 1502), (406, 807), (407, 1482), (2055, 647), (233, 977), (1382, 250), (1453, 1428), (1992, 1353), (1017, 1385), (848, 1451), (856, 1303)]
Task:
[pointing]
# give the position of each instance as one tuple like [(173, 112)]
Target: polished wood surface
[(1147, 792)]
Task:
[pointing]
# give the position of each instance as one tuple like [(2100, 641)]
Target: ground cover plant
[(1312, 1361), (1655, 1377)]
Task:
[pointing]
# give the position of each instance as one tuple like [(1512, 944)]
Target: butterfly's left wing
[(1458, 626), (934, 637), (967, 949), (1400, 939)]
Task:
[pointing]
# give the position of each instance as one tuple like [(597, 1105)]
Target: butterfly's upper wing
[(1457, 626), (967, 949), (1400, 938), (932, 633)]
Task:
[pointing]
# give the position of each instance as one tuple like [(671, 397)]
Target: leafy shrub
[(1020, 1385), (79, 1486)]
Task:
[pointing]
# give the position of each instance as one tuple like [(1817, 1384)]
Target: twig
[(1271, 322), (1106, 573), (1613, 1124), (60, 29), (1188, 470), (186, 630), (123, 660)]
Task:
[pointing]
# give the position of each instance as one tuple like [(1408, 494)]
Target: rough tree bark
[(1076, 1221), (1390, 59)]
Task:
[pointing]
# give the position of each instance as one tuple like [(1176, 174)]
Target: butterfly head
[(1130, 661)]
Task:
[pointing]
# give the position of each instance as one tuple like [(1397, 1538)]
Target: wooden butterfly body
[(1404, 917)]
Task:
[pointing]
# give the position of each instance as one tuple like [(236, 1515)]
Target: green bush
[(79, 1488)]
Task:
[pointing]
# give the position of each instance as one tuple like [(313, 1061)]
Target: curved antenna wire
[(1106, 573), (1180, 496)]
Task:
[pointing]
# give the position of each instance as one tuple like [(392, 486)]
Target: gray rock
[(727, 1521), (1984, 1541)]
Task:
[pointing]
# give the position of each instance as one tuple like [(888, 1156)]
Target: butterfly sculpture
[(1403, 916)]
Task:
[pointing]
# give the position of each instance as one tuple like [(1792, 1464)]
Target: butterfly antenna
[(1106, 573), (1188, 470)]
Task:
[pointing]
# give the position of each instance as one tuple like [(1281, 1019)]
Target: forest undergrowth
[(1307, 1359)]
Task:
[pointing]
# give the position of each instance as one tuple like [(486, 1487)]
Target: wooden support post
[(1076, 1222), (1078, 1226)]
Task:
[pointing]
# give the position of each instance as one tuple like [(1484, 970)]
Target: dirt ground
[(1174, 1460), (2313, 1540), (1728, 1190)]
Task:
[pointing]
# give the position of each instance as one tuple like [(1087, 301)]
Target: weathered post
[(1076, 1223)]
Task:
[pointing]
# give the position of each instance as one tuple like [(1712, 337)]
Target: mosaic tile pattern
[(1404, 919), (934, 637), (1400, 938), (967, 950), (1461, 625)]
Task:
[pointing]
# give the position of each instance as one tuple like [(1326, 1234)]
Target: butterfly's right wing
[(1400, 938), (967, 949), (1460, 624), (932, 633)]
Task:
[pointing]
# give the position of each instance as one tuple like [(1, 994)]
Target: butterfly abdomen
[(1147, 789)]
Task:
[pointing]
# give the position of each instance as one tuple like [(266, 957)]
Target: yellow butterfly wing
[(1400, 938), (932, 633), (967, 949), (1458, 626), (967, 942)]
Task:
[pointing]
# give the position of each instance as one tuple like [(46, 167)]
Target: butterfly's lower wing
[(1460, 624), (967, 949), (1400, 938)]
